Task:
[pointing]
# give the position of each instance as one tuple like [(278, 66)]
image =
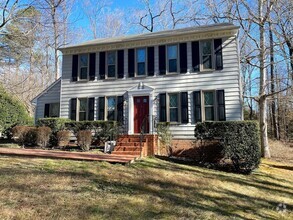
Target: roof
[(45, 90), (159, 34)]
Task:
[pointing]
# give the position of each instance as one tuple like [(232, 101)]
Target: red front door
[(141, 111)]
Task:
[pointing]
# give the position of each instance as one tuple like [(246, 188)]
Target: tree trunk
[(273, 104), (265, 149)]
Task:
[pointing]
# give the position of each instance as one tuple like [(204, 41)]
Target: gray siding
[(227, 79), (52, 95)]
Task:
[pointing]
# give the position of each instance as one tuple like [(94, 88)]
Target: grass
[(153, 188), (148, 189)]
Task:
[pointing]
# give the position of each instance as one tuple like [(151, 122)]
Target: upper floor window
[(206, 53), (172, 58), (141, 61), (83, 66), (111, 64)]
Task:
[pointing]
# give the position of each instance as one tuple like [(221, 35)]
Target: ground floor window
[(52, 110), (209, 105), (83, 109)]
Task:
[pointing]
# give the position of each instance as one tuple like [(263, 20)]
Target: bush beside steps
[(237, 145)]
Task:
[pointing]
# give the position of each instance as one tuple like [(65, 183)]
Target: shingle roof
[(159, 34)]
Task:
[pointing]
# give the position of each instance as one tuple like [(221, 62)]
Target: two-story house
[(181, 76)]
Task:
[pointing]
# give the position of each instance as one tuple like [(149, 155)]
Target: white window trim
[(78, 108), (106, 108), (201, 69), (116, 64), (203, 105), (79, 67), (167, 59), (168, 107), (146, 62)]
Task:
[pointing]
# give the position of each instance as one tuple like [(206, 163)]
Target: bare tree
[(55, 21), (151, 13)]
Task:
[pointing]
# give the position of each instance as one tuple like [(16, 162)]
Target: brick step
[(134, 153), (134, 139), (127, 148), (132, 144)]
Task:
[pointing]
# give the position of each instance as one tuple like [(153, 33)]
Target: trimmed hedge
[(56, 124), (103, 130), (239, 141)]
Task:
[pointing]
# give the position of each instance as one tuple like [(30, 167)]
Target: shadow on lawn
[(181, 197), (282, 167)]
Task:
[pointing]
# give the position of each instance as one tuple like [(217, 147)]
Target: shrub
[(84, 139), (43, 135), (56, 124), (107, 131), (239, 141), (31, 137), (12, 112), (165, 137), (63, 138), (18, 133)]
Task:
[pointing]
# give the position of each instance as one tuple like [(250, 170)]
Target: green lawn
[(149, 189)]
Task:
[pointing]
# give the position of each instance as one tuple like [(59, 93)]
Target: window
[(83, 66), (111, 64), (206, 52), (82, 109), (209, 105), (141, 61), (52, 110), (111, 108), (172, 58), (173, 107)]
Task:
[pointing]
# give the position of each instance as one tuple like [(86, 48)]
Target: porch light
[(140, 85)]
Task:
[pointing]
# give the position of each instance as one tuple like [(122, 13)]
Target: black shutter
[(163, 114), (91, 109), (47, 111), (73, 109), (221, 105), (151, 61), (197, 106), (162, 60), (120, 109), (183, 57), (120, 63), (195, 56), (102, 65), (131, 63), (218, 54), (184, 107), (92, 72), (74, 67), (102, 108)]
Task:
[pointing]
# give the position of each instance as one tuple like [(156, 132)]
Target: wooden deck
[(67, 155)]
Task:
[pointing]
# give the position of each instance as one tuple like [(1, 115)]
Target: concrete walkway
[(67, 155)]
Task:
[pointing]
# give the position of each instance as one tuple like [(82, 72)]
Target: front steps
[(130, 145)]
